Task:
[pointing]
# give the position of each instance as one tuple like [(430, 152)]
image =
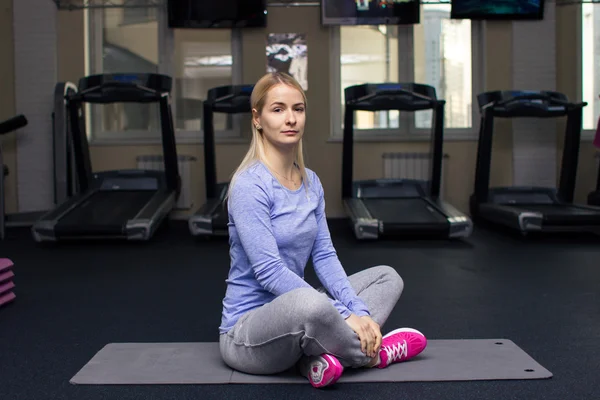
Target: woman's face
[(282, 117)]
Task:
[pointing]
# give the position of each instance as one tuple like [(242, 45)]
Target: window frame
[(166, 49), (408, 131), (587, 135)]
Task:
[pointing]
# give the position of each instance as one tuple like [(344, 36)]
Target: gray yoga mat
[(200, 363)]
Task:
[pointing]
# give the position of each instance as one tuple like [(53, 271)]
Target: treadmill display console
[(390, 86), (126, 78), (524, 103), (519, 93)]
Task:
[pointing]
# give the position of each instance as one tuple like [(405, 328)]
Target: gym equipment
[(390, 207), (64, 181), (201, 363), (120, 204), (6, 127), (211, 219), (594, 197), (65, 177), (531, 209), (6, 281)]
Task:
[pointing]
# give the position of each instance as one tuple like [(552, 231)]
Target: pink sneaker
[(401, 345), (323, 370)]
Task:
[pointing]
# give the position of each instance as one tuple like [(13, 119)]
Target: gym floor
[(72, 299)]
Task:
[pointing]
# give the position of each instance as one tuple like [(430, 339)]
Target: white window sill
[(364, 137), (151, 141)]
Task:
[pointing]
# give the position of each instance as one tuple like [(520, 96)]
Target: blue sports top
[(272, 233)]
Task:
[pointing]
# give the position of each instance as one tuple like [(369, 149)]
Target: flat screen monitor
[(497, 9), (370, 12), (198, 14)]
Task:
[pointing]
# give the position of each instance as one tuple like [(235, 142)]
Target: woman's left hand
[(368, 333), (376, 329)]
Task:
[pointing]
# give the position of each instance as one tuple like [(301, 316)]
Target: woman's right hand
[(368, 333)]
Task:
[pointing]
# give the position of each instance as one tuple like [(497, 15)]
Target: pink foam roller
[(5, 276), (5, 264), (5, 287), (7, 298)]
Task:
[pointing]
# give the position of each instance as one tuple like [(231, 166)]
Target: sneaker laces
[(396, 351)]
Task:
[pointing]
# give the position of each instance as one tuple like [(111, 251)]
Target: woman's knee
[(393, 278), (313, 306)]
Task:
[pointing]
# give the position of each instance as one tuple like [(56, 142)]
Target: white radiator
[(407, 165), (185, 163)]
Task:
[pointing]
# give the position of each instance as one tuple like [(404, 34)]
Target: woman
[(272, 318)]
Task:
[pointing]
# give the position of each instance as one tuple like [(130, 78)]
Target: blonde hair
[(256, 152)]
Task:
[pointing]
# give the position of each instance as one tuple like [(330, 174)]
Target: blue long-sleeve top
[(272, 233)]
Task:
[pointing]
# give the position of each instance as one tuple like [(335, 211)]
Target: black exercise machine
[(531, 209), (64, 180), (211, 219), (120, 204), (391, 207), (8, 126)]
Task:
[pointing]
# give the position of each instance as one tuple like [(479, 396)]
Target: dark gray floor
[(542, 293)]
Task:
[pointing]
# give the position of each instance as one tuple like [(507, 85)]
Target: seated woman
[(272, 318)]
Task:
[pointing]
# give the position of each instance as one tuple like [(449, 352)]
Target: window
[(203, 60), (369, 53), (443, 59), (591, 64), (138, 40), (438, 51)]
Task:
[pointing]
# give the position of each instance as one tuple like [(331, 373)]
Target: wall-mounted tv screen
[(197, 14), (497, 9), (370, 12)]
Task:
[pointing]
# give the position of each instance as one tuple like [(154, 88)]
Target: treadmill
[(211, 219), (63, 175), (120, 204), (398, 207), (531, 209)]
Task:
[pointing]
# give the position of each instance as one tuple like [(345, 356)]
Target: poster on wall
[(287, 52)]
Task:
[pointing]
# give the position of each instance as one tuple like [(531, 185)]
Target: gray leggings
[(274, 337)]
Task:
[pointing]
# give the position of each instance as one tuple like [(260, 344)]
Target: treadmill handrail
[(223, 98), (215, 95), (535, 96), (83, 95), (407, 104), (65, 178), (68, 86), (212, 105), (568, 170), (229, 96), (387, 92), (419, 93)]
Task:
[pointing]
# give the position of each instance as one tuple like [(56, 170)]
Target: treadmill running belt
[(404, 211), (550, 209), (563, 214), (104, 213)]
